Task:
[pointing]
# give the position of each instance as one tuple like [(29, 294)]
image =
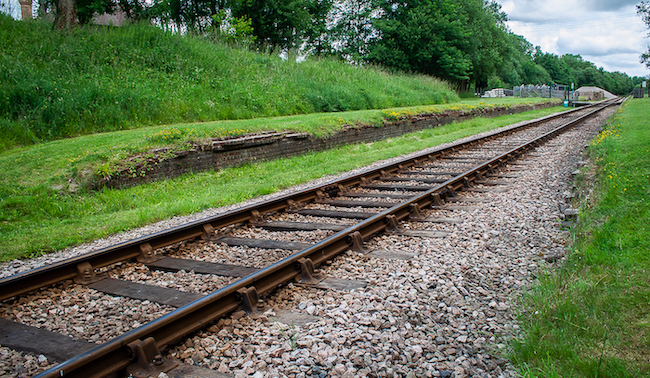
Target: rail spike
[(307, 275), (255, 216), (357, 242), (416, 211), (293, 205), (451, 192), (249, 300), (86, 274), (146, 255), (391, 223), (148, 360), (436, 200)]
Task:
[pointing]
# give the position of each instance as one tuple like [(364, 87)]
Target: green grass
[(93, 79), (40, 211), (79, 162), (591, 317)]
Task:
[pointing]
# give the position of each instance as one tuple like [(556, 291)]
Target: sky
[(11, 7), (607, 33)]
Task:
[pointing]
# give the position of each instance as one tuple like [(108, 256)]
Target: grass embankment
[(591, 318), (102, 155), (41, 212), (95, 79)]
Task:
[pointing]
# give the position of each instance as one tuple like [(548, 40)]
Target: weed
[(291, 334)]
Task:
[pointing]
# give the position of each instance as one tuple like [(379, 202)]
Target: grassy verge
[(71, 164), (40, 211), (591, 318), (93, 79)]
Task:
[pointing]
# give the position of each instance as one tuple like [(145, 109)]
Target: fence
[(639, 92), (543, 91)]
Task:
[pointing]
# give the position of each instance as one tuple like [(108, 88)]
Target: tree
[(317, 35), (461, 41), (423, 36), (643, 10), (556, 67), (350, 29), (86, 9), (519, 66), (193, 15), (69, 12), (489, 43), (66, 14), (282, 23)]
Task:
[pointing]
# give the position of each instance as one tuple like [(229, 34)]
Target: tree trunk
[(66, 14), (26, 9), (463, 86)]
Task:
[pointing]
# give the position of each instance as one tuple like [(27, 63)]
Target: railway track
[(186, 278)]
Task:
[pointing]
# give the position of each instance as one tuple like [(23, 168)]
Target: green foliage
[(194, 15), (86, 9), (282, 23), (423, 36), (140, 10), (229, 29), (489, 39), (458, 41), (465, 42), (520, 67), (97, 79), (643, 10), (526, 65), (590, 318), (570, 68)]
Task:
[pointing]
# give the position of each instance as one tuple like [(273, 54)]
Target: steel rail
[(138, 248), (115, 354)]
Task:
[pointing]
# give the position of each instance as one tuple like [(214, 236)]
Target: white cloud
[(11, 7), (628, 63), (599, 41), (605, 32)]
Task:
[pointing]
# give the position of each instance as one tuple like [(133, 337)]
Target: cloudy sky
[(607, 33)]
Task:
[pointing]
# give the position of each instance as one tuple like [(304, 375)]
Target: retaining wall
[(272, 145)]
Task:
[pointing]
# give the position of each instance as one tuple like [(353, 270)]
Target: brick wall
[(271, 145)]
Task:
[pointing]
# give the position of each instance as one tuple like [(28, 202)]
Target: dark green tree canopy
[(455, 40), (423, 36), (283, 23), (643, 10)]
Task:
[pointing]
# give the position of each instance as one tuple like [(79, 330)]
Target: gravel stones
[(81, 312), (181, 280), (215, 252), (13, 363)]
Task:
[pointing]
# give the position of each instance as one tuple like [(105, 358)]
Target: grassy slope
[(96, 79), (38, 213), (591, 318)]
